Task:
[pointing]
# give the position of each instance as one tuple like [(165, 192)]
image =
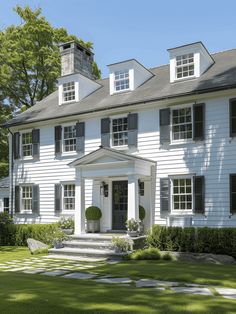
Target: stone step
[(88, 244), (88, 252), (94, 237)]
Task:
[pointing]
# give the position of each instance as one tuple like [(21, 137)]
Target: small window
[(69, 138), (141, 188), (68, 91), (182, 194), (120, 132), (26, 197), (182, 123), (69, 197), (6, 204), (26, 144), (121, 80), (185, 66)]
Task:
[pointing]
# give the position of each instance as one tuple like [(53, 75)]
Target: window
[(6, 204), (68, 91), (69, 197), (120, 132), (26, 197), (121, 80), (27, 144), (69, 138), (185, 65), (182, 194), (141, 188), (233, 194), (182, 123), (232, 112)]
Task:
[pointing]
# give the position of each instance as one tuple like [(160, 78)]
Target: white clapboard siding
[(214, 158)]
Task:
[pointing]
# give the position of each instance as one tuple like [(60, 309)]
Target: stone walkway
[(73, 269)]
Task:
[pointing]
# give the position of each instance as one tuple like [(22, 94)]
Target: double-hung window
[(69, 197), (121, 81), (26, 198), (185, 66), (182, 194), (68, 91), (69, 138), (182, 123), (120, 131), (26, 144)]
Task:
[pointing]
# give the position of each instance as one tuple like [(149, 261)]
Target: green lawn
[(24, 293)]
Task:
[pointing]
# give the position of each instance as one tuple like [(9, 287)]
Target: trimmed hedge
[(16, 235), (195, 240)]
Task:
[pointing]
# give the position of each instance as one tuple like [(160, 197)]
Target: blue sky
[(141, 29)]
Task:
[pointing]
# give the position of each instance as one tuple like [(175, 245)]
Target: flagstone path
[(73, 269)]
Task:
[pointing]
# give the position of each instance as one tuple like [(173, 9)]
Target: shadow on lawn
[(21, 293)]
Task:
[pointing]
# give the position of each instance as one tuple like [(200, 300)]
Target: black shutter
[(199, 194), (35, 142), (17, 199), (16, 145), (233, 194), (132, 129), (80, 136), (105, 132), (164, 120), (57, 198), (35, 198), (58, 131), (198, 122), (164, 195), (232, 117)]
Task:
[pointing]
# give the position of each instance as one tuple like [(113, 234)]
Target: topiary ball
[(93, 213), (142, 212)]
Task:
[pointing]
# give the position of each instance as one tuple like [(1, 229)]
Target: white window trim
[(25, 211), (121, 147), (192, 63), (21, 146), (114, 80), (181, 141), (186, 211), (66, 211), (72, 152), (72, 100)]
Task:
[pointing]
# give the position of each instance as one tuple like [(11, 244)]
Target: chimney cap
[(74, 43)]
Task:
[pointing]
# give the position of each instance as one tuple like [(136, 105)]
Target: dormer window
[(185, 66), (68, 92), (121, 81)]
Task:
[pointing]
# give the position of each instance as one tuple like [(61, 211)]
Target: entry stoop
[(88, 247)]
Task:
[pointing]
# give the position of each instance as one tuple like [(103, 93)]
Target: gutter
[(198, 92)]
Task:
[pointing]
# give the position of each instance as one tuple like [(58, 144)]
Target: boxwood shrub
[(195, 240), (17, 234)]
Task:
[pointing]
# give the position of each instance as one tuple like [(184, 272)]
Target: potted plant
[(93, 215), (66, 225), (120, 245), (133, 226), (58, 238), (142, 214)]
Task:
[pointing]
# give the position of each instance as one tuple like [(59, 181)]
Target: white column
[(133, 197), (79, 204)]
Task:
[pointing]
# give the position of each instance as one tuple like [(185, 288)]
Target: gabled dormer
[(189, 61), (127, 76), (77, 80)]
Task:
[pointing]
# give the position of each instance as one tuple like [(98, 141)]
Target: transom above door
[(119, 204)]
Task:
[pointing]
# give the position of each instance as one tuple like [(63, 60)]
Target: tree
[(29, 65)]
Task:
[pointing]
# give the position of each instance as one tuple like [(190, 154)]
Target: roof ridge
[(222, 51)]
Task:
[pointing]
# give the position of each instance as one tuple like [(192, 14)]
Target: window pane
[(121, 80), (68, 91)]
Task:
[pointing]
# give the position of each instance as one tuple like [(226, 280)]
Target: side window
[(26, 144), (68, 196), (69, 138)]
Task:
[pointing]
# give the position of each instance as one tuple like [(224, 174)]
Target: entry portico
[(120, 175)]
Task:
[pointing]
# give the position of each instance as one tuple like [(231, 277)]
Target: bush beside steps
[(149, 254)]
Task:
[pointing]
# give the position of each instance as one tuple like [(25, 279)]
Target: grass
[(23, 293)]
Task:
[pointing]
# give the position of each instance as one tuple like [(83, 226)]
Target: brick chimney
[(76, 59)]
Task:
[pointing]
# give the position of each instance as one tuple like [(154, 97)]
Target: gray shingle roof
[(4, 182), (221, 75)]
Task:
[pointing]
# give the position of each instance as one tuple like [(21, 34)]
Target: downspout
[(11, 177)]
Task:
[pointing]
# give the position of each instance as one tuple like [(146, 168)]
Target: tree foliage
[(29, 65)]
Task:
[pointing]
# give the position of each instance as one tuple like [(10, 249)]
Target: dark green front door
[(119, 204)]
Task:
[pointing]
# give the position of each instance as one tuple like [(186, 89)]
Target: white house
[(162, 137), (4, 194)]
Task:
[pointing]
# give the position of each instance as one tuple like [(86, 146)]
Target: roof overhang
[(107, 162)]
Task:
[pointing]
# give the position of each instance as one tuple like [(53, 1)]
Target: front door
[(119, 204)]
